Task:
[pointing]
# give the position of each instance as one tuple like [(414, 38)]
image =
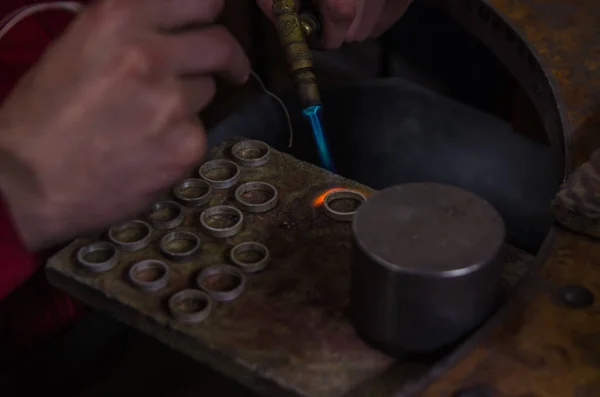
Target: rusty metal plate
[(538, 346), (287, 334)]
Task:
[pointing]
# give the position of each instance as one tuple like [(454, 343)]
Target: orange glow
[(320, 199)]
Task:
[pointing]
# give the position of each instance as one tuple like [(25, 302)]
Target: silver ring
[(250, 265), (98, 257), (131, 236), (193, 192), (223, 211), (248, 205), (165, 215), (231, 173), (216, 272), (251, 153), (340, 215), (151, 265), (192, 297), (189, 245)]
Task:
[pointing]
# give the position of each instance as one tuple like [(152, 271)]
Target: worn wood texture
[(287, 335)]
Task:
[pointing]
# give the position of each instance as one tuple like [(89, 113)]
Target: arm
[(31, 310), (20, 49), (136, 101)]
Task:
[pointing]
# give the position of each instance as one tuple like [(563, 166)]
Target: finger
[(172, 14), (198, 92), (392, 11), (155, 14), (337, 16), (266, 6), (211, 50), (366, 19)]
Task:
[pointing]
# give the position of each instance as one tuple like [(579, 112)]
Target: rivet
[(576, 296)]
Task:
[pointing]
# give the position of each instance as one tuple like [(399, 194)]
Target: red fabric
[(31, 311)]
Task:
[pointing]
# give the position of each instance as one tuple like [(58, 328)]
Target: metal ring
[(150, 265), (176, 254), (222, 270), (191, 316), (251, 153), (265, 206), (250, 266), (173, 215), (193, 200), (103, 263), (220, 183), (340, 195), (130, 245), (222, 210)]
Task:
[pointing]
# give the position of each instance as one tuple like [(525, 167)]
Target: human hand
[(352, 20), (105, 122)]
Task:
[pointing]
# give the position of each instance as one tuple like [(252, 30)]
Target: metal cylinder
[(426, 267)]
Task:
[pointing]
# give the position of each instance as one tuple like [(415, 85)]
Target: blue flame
[(312, 113)]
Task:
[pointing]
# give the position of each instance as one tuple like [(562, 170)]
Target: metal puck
[(428, 246), (251, 153), (251, 257), (223, 283), (131, 236), (342, 205), (256, 197), (222, 221), (166, 215), (193, 192), (180, 246), (150, 275), (190, 306), (220, 174), (98, 257)]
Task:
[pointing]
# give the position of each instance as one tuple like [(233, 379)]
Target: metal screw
[(576, 296)]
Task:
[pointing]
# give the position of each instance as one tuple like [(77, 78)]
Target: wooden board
[(287, 334)]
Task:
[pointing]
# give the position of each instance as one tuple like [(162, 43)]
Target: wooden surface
[(540, 347), (536, 347), (288, 334)]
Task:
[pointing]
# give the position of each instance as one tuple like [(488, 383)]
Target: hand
[(105, 121), (353, 20)]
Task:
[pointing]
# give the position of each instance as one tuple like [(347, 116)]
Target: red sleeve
[(17, 265), (31, 311)]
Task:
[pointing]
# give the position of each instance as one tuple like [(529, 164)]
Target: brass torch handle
[(311, 24), (294, 41)]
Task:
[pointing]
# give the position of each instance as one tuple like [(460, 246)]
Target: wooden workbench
[(537, 345)]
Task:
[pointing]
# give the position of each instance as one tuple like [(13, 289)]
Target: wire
[(20, 14), (11, 20), (280, 102)]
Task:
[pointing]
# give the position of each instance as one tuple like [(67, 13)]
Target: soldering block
[(287, 333)]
